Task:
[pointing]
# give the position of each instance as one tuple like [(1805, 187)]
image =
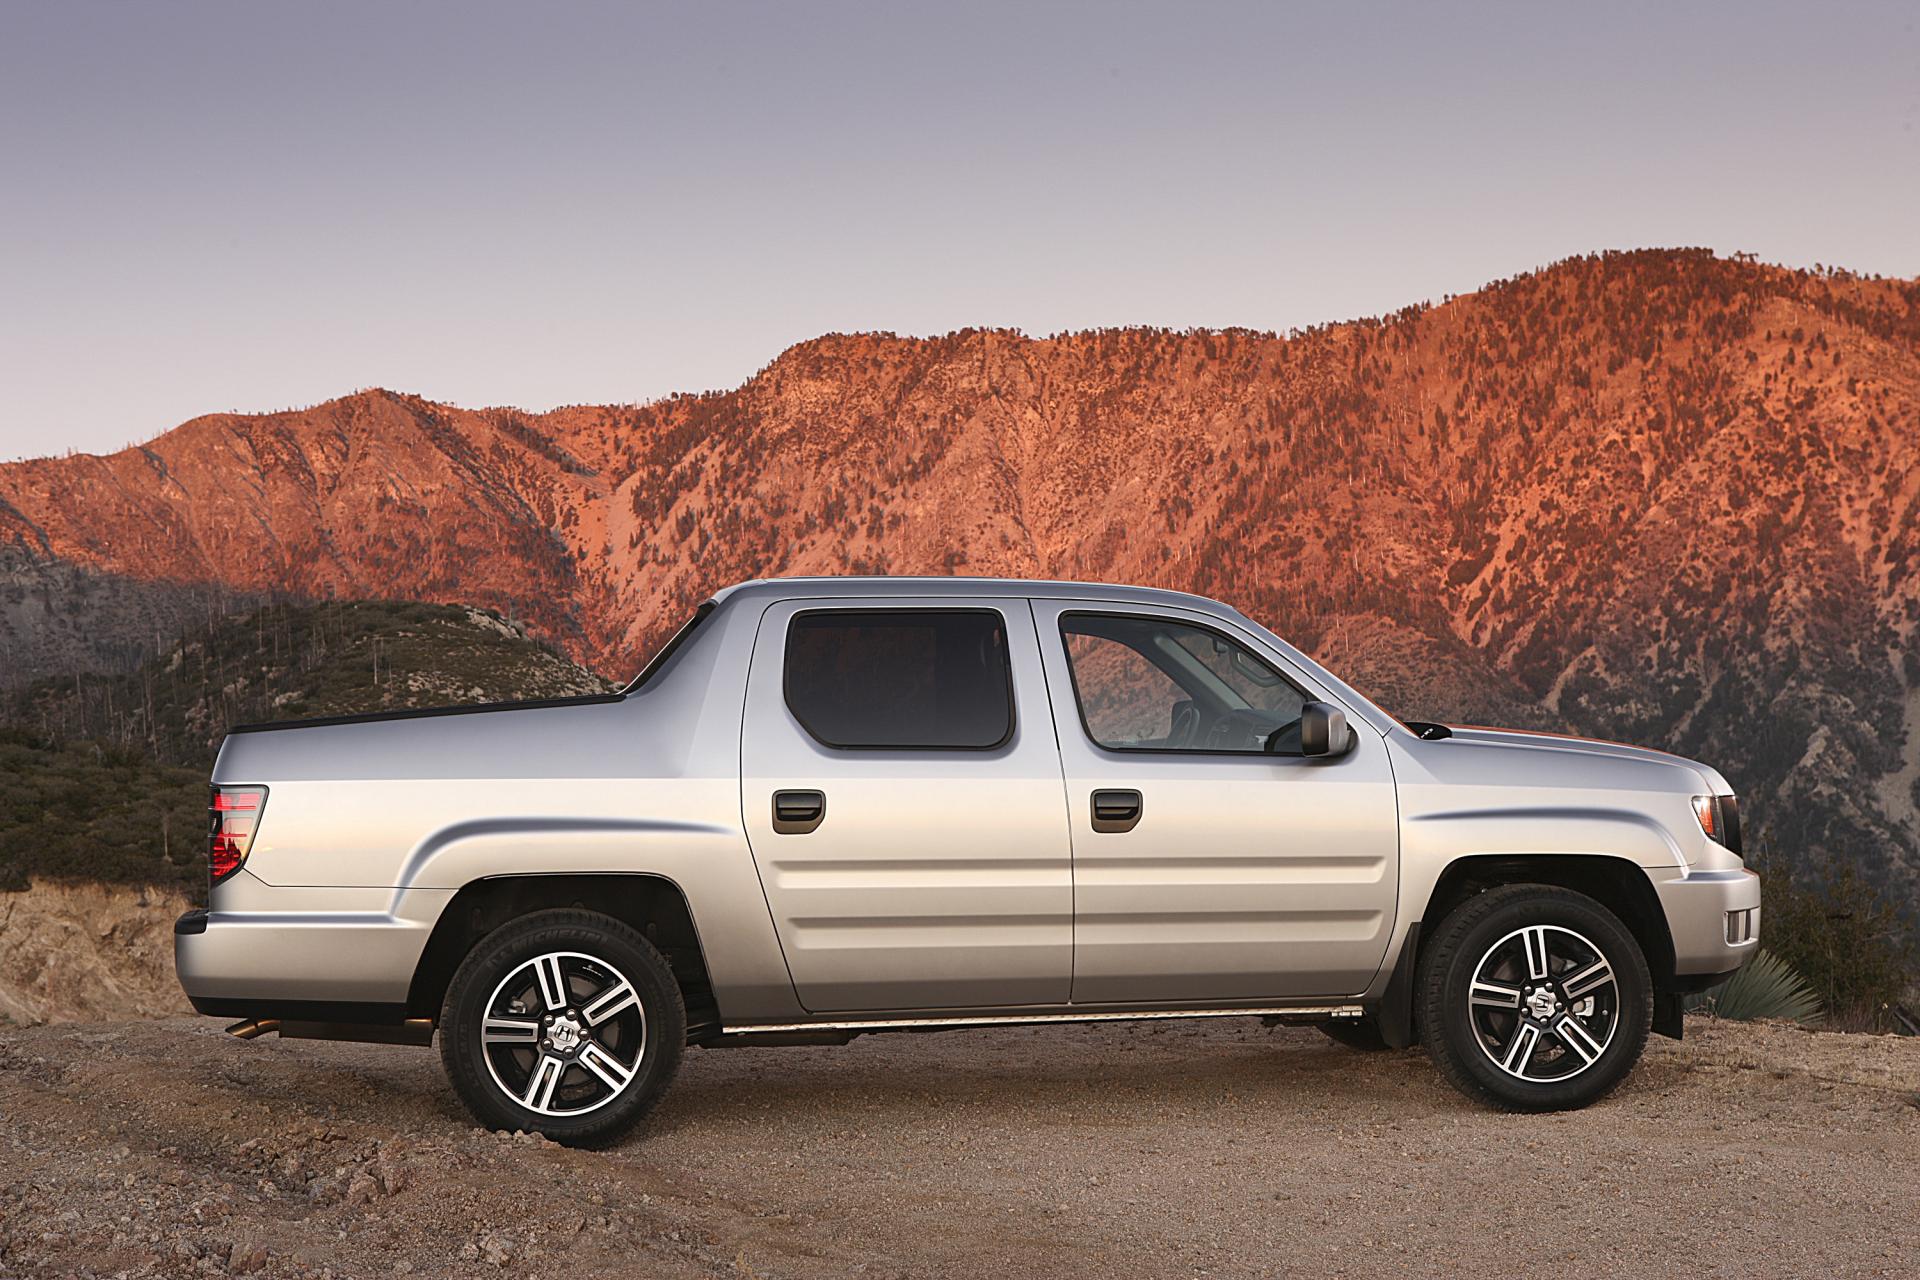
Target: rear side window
[(901, 679)]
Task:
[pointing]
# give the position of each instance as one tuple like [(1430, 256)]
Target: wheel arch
[(651, 903), (1616, 883)]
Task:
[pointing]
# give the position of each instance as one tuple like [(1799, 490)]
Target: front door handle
[(797, 812), (1116, 810)]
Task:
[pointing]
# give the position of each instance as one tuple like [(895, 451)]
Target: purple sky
[(252, 206)]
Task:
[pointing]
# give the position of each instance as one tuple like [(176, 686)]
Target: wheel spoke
[(1592, 978), (1569, 1032), (1498, 995), (1535, 941), (546, 1077), (553, 983), (614, 999), (1520, 1052), (603, 1064), (519, 1031)]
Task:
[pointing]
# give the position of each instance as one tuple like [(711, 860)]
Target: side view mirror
[(1323, 730)]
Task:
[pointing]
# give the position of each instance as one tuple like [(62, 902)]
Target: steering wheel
[(1186, 723)]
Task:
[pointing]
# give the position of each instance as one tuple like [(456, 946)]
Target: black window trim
[(667, 650), (1080, 706), (786, 671)]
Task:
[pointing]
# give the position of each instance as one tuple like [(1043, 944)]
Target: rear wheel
[(1534, 998), (566, 1023)]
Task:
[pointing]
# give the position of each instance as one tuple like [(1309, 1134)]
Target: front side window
[(1153, 684), (901, 679)]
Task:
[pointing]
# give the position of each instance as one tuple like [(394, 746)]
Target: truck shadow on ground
[(1074, 1076)]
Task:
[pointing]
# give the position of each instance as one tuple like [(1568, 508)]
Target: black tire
[(589, 957), (1356, 1033), (1492, 937)]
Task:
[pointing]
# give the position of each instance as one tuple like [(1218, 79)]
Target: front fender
[(1442, 835)]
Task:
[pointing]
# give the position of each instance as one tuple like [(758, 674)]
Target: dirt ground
[(1215, 1148)]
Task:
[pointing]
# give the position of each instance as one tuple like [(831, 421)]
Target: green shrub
[(1765, 987), (1842, 935), (91, 811)]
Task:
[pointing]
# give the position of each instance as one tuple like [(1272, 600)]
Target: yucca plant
[(1765, 987)]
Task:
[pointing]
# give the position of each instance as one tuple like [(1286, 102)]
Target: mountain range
[(1659, 496)]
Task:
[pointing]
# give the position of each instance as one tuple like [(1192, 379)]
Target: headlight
[(1720, 818)]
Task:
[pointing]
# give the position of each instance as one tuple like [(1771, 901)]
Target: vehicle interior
[(1153, 684)]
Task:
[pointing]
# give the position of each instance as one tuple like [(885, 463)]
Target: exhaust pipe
[(252, 1027)]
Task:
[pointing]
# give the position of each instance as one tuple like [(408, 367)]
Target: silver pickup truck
[(838, 806)]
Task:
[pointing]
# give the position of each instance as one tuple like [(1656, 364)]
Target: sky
[(246, 206)]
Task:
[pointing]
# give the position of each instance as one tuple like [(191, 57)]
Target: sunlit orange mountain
[(1658, 496)]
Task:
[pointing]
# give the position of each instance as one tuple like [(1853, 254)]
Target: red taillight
[(233, 815)]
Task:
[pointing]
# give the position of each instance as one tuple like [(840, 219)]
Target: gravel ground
[(1212, 1148)]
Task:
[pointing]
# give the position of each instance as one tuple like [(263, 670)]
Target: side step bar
[(419, 1031), (1277, 1013)]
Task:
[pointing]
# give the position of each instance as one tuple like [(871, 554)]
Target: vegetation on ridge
[(107, 776)]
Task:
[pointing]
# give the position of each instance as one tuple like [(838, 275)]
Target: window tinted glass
[(1152, 684), (901, 678), (1124, 699)]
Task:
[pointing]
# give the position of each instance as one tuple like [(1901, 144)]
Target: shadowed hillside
[(108, 775), (1656, 496)]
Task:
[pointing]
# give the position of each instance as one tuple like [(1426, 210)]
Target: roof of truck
[(957, 586)]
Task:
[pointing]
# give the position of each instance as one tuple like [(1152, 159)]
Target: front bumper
[(1714, 916)]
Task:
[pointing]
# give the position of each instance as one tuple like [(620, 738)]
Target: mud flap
[(1669, 1014), (1395, 1014)]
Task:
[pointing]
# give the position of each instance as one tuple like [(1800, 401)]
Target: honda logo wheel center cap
[(564, 1035)]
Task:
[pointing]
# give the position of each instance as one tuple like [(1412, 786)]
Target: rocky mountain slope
[(89, 952), (1658, 496)]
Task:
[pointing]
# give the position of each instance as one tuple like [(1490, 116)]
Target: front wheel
[(1534, 998), (566, 1023)]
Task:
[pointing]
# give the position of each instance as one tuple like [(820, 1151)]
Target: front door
[(1206, 866), (901, 791)]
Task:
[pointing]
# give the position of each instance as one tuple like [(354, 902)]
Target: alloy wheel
[(564, 1033), (1544, 1003)]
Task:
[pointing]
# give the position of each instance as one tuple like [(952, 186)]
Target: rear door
[(1206, 867), (901, 791)]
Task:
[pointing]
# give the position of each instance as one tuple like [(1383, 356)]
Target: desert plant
[(1765, 987)]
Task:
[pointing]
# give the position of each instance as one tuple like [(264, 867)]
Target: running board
[(1276, 1013)]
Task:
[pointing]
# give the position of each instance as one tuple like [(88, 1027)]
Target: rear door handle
[(797, 812), (1116, 810)]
